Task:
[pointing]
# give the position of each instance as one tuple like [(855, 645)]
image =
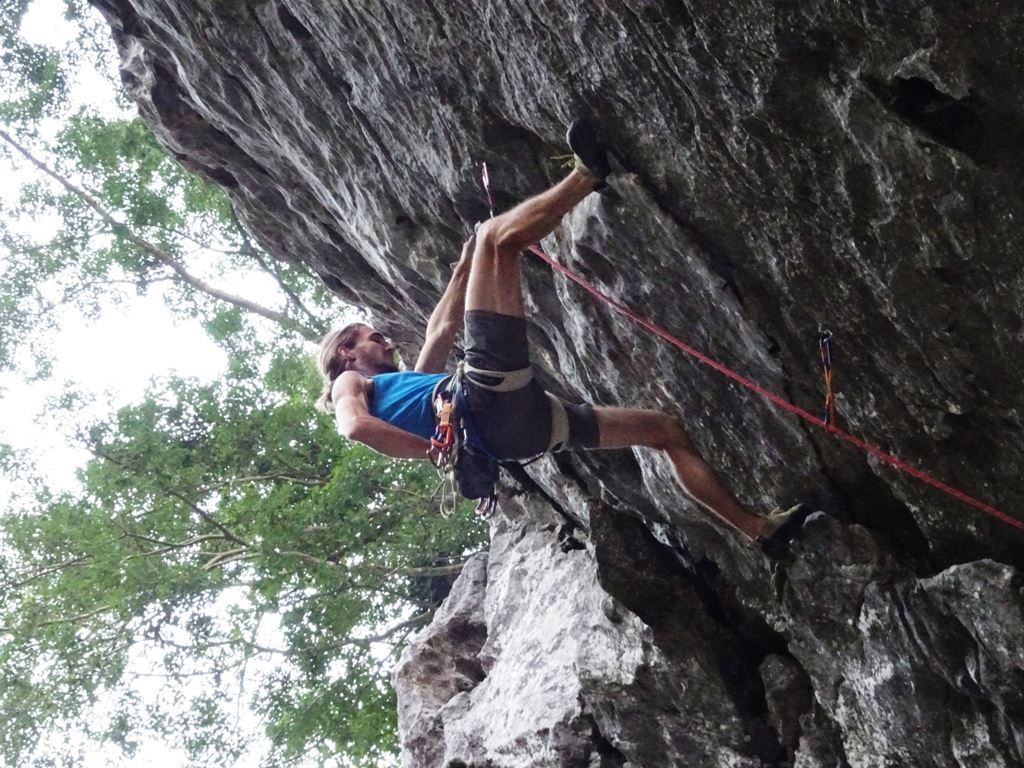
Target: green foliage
[(213, 516), (114, 215), (226, 549), (33, 81), (135, 176)]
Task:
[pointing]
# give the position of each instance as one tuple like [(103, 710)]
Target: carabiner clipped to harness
[(464, 467), (444, 443), (444, 448)]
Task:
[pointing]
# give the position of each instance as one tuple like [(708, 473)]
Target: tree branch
[(292, 295), (219, 559), (249, 249), (307, 558), (453, 569), (81, 560), (171, 546), (199, 243), (419, 618), (271, 476), (289, 652), (75, 619), (228, 534), (158, 253)]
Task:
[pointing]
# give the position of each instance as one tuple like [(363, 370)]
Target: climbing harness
[(465, 466), (825, 349), (827, 423)]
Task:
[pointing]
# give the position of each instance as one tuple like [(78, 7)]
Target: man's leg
[(494, 279), (626, 427)]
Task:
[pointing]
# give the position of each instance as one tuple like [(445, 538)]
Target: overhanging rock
[(778, 169)]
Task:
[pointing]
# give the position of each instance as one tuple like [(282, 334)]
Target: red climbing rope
[(828, 424)]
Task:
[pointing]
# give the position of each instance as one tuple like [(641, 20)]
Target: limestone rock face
[(778, 168)]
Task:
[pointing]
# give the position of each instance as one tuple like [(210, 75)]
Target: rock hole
[(295, 27), (334, 81), (951, 276), (332, 282), (610, 756), (223, 177), (567, 542), (472, 670), (599, 266), (949, 121)]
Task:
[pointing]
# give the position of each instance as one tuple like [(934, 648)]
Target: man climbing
[(392, 411)]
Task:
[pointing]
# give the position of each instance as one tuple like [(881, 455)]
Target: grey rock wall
[(779, 168)]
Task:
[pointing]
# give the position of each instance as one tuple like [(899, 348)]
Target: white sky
[(110, 359)]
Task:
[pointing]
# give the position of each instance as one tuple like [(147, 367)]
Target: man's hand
[(467, 252)]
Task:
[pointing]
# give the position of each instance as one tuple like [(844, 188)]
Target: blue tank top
[(403, 400)]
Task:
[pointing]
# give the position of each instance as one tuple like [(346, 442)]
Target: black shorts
[(514, 416)]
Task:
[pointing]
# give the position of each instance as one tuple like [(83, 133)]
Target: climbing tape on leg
[(487, 188)]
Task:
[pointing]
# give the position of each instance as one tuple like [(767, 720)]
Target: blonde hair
[(332, 365)]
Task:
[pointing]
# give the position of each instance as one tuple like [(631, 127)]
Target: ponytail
[(332, 365)]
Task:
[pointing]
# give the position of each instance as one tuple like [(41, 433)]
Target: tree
[(209, 515), (224, 540), (33, 78)]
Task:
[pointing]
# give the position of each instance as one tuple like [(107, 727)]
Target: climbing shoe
[(782, 526), (589, 153)]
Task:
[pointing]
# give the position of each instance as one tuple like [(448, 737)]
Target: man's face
[(371, 353)]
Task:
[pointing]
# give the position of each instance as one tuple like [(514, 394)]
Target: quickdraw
[(444, 443), (825, 348)]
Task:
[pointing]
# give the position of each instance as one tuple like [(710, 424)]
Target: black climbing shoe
[(782, 526), (590, 154)]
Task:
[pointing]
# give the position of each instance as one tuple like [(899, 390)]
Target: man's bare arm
[(446, 319), (356, 423)]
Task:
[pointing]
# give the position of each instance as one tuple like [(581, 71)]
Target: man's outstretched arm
[(446, 319), (356, 423)]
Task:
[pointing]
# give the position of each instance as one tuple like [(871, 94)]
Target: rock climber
[(392, 411)]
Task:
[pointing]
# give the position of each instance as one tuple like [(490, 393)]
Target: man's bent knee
[(672, 434), (499, 238)]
